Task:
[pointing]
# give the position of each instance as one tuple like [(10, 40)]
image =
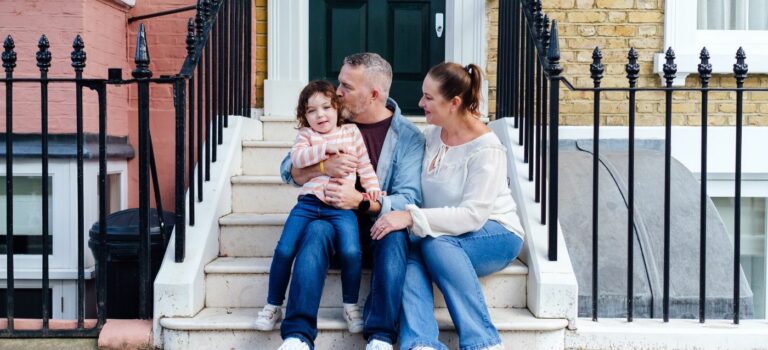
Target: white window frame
[(681, 33), (63, 262), (757, 188)]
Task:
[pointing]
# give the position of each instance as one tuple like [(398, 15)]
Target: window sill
[(688, 63)]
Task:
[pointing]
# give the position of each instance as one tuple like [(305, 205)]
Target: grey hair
[(377, 69)]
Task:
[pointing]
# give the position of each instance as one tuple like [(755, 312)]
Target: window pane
[(27, 215), (753, 245), (732, 15)]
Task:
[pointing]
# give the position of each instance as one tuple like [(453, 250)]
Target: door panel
[(401, 31)]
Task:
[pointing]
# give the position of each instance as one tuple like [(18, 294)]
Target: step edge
[(523, 321)]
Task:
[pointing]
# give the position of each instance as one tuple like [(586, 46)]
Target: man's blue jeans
[(308, 209), (382, 309), (454, 264)]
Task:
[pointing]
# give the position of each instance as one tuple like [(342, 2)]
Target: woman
[(469, 223)]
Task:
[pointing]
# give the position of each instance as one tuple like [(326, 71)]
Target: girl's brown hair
[(464, 82), (316, 87)]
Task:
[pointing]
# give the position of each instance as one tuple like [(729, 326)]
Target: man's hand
[(340, 165), (341, 193)]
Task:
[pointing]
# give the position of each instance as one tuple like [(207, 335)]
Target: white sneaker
[(376, 344), (498, 346), (267, 317), (354, 318), (293, 344)]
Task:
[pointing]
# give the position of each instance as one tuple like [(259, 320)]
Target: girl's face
[(436, 107), (321, 115)]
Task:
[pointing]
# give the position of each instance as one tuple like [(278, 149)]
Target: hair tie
[(468, 69)]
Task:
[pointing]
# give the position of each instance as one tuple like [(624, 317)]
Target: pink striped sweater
[(310, 148)]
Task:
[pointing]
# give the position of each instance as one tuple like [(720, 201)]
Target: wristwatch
[(365, 204)]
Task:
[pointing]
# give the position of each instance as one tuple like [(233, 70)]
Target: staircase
[(236, 281)]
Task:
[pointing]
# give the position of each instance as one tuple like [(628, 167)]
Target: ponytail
[(464, 82)]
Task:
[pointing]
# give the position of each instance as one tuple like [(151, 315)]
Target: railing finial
[(597, 68), (200, 18), (78, 55), (43, 54), (142, 56), (705, 68), (632, 68), (545, 35), (670, 68), (740, 68), (538, 18), (553, 53), (9, 56), (191, 39), (206, 9)]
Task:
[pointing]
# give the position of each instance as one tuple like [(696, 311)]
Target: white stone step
[(250, 235), (264, 157), (262, 194), (232, 328), (242, 282)]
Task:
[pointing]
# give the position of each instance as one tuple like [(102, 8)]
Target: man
[(396, 148)]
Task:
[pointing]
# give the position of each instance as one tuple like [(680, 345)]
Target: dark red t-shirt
[(373, 136)]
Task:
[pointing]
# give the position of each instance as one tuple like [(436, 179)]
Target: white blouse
[(463, 187)]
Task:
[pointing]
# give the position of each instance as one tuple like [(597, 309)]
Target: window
[(732, 15), (27, 215), (722, 26), (754, 223)]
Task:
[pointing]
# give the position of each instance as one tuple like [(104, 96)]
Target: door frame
[(288, 48)]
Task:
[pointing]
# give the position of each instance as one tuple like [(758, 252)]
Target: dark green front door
[(408, 33)]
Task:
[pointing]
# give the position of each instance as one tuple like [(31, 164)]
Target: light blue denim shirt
[(399, 167)]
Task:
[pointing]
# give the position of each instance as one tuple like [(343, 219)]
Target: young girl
[(321, 134)]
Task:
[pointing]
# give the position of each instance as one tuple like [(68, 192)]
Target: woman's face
[(321, 115), (436, 107)]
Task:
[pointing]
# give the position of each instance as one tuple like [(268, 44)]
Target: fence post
[(142, 74), (740, 73), (554, 69), (9, 63), (705, 72), (44, 63)]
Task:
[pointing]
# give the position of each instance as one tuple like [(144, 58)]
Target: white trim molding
[(465, 37), (287, 55), (288, 48), (681, 33)]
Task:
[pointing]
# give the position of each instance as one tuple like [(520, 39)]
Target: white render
[(179, 288)]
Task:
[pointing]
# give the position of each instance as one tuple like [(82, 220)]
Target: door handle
[(439, 17)]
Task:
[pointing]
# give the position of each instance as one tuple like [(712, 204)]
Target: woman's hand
[(392, 221)]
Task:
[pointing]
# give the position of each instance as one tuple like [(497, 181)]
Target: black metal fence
[(218, 47), (528, 90)]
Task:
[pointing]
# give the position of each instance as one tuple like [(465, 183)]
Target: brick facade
[(615, 26)]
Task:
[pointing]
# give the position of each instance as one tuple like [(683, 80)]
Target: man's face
[(355, 93)]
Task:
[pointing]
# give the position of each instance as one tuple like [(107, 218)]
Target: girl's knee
[(284, 252)]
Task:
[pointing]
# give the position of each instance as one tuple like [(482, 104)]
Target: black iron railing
[(100, 87), (528, 90), (219, 37)]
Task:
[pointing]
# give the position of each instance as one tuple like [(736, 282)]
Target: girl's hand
[(334, 149), (392, 221), (374, 195)]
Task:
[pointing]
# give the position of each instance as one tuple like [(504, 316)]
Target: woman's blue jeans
[(309, 208), (454, 263)]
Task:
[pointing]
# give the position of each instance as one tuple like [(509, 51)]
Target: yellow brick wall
[(260, 51), (615, 26)]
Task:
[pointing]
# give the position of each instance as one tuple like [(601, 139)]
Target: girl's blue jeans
[(454, 264), (309, 208)]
